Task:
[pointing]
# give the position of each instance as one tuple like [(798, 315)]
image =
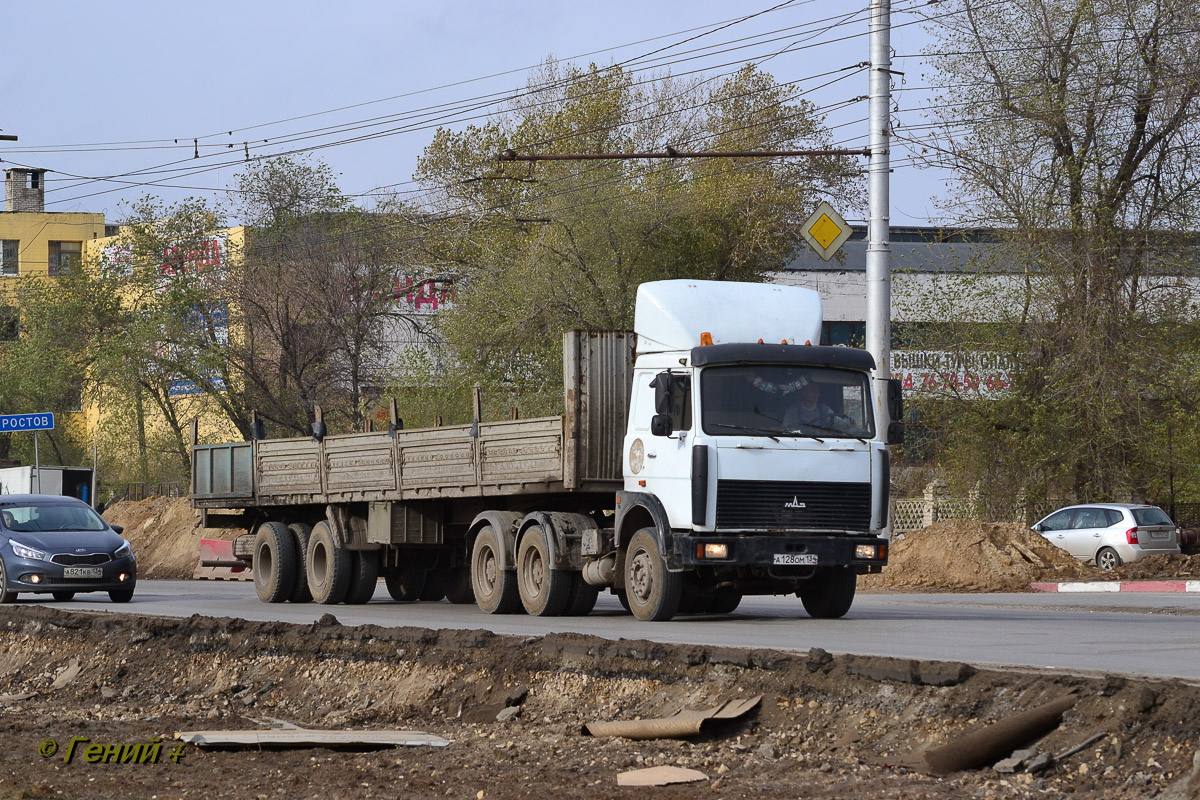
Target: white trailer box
[(64, 481)]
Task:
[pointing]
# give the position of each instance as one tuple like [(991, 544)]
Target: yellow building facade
[(35, 242)]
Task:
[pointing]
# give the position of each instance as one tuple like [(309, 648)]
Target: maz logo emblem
[(795, 503)]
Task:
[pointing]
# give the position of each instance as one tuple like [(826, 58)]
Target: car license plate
[(795, 559), (83, 572)]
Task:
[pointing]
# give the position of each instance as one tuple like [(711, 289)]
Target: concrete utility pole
[(879, 254)]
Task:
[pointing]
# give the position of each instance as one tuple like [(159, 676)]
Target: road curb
[(1119, 586)]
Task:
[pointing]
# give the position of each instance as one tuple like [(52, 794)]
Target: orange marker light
[(705, 339)]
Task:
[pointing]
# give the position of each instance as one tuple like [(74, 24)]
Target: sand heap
[(967, 556), (165, 534), (1160, 567)]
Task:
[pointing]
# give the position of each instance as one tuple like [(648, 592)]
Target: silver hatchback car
[(1110, 534)]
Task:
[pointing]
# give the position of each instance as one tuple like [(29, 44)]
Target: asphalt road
[(1142, 634)]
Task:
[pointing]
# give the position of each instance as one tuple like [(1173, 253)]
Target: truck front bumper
[(783, 556)]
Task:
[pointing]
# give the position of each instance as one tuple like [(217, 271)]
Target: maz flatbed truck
[(712, 454)]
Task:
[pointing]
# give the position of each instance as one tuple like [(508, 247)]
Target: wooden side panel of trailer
[(579, 451)]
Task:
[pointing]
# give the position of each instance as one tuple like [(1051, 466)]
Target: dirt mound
[(966, 556), (1164, 566), (825, 722), (165, 534)]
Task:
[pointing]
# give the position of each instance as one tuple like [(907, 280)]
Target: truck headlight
[(711, 550), (871, 551), (21, 551)]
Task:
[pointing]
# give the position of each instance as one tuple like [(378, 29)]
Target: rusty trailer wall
[(579, 451)]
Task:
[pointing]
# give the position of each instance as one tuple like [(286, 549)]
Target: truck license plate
[(83, 572), (793, 559)]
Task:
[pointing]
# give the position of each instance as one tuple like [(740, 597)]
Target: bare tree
[(1071, 126)]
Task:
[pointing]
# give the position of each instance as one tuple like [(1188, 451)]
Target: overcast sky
[(103, 91)]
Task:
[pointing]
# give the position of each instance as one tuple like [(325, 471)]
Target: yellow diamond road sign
[(825, 231)]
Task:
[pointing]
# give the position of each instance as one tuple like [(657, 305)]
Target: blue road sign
[(10, 423)]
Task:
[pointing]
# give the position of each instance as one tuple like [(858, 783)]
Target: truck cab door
[(662, 465)]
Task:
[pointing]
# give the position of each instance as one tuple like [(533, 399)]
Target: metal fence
[(140, 491), (910, 514)]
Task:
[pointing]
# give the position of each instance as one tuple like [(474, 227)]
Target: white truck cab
[(755, 453)]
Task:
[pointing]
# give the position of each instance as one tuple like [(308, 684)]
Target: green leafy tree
[(534, 251)]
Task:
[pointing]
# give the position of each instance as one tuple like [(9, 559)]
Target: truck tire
[(406, 582), (274, 562), (435, 586), (583, 597), (725, 601), (327, 565), (458, 585), (622, 598), (300, 532), (364, 577), (495, 588), (652, 591), (830, 593), (544, 590)]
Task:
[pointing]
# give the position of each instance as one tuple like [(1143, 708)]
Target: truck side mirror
[(660, 425), (895, 433), (895, 399)]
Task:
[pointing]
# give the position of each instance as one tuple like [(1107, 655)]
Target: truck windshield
[(785, 400)]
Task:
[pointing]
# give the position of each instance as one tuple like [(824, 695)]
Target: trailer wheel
[(435, 586), (583, 597), (406, 582), (544, 590), (328, 566), (653, 592), (364, 577), (830, 593), (301, 531), (458, 585), (274, 562), (495, 587)]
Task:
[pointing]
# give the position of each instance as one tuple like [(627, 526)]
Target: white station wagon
[(1110, 534)]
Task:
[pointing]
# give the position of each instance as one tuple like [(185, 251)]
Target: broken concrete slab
[(688, 722), (1014, 762), (509, 713), (659, 776), (306, 737), (67, 674)]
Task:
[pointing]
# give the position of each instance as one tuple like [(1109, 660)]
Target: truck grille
[(793, 505)]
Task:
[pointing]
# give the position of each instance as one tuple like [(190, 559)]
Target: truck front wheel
[(830, 593), (652, 591), (495, 587), (274, 562), (328, 567)]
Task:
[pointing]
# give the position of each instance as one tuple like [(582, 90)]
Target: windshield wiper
[(770, 434), (835, 430)]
